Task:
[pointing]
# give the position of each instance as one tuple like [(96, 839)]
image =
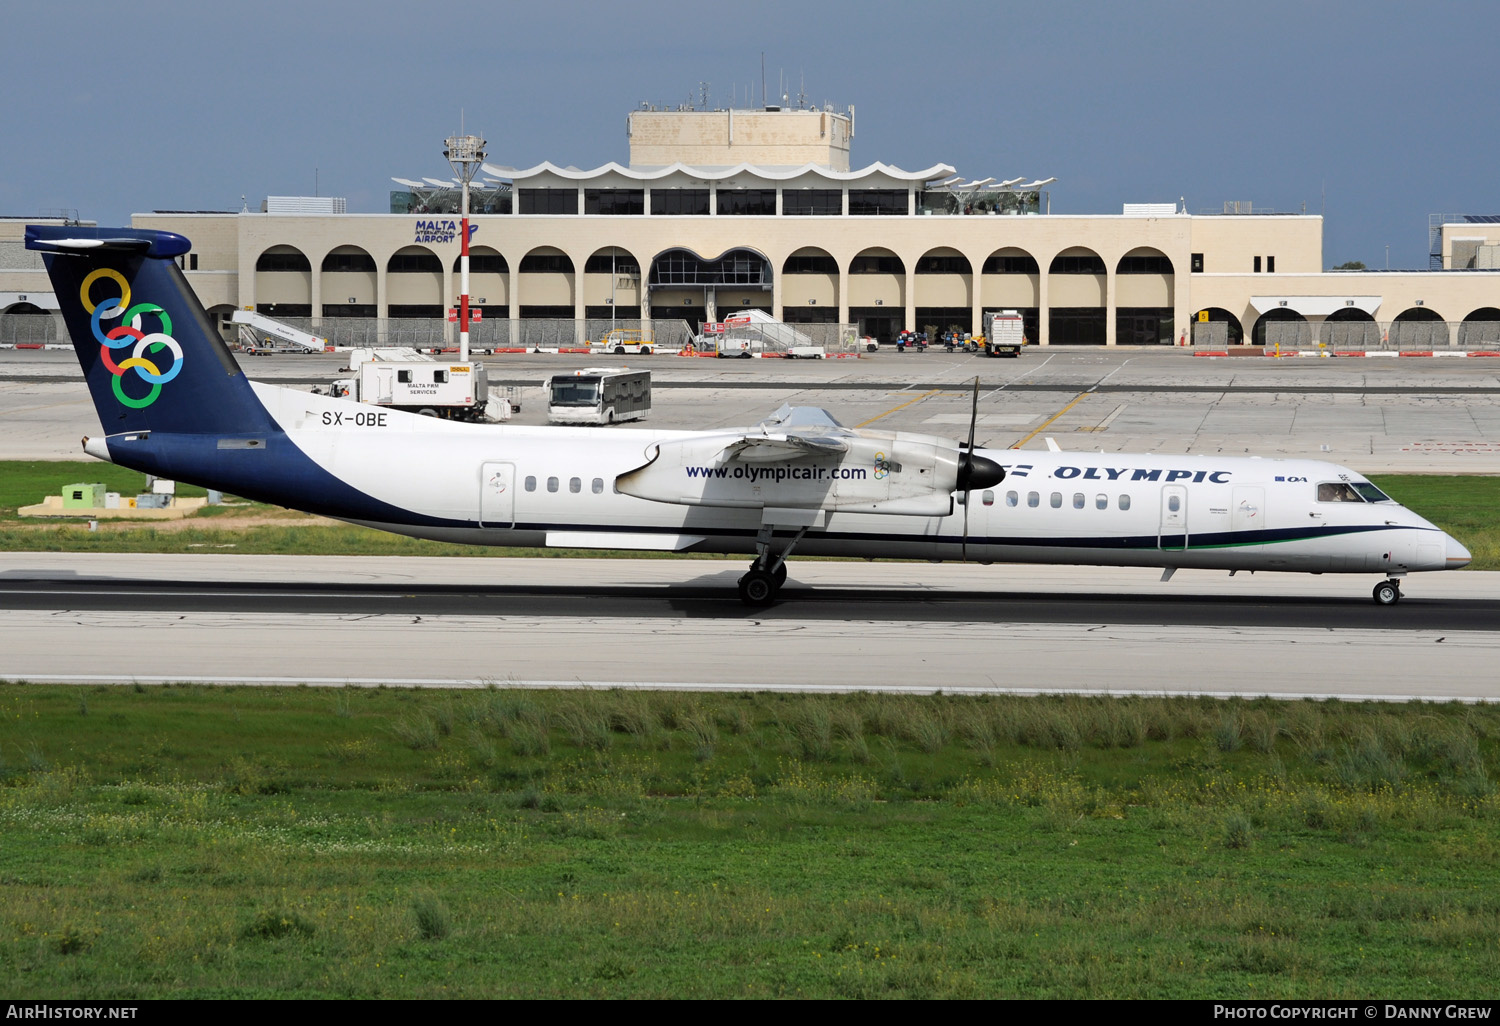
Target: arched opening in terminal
[(1282, 327), (611, 291), (810, 287), (26, 323), (1349, 328), (414, 284), (1144, 287), (944, 283), (1480, 328), (545, 285), (489, 282), (1010, 279), (283, 283), (1076, 287), (877, 293), (1418, 327), (347, 276), (1221, 329), (684, 285)]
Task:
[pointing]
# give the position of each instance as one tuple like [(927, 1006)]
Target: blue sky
[(1375, 113)]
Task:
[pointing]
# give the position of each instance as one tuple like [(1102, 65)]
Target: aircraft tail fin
[(152, 358)]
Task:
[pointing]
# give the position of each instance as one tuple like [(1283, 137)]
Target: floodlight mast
[(465, 153)]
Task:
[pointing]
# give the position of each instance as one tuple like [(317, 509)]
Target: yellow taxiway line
[(903, 406), (1059, 413)]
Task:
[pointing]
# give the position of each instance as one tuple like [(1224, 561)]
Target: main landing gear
[(768, 573), (1388, 593)]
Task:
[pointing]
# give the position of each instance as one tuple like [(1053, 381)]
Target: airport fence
[(1395, 336), (669, 334)]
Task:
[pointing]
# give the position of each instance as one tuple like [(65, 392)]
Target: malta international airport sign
[(440, 229)]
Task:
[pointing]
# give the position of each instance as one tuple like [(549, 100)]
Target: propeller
[(975, 472)]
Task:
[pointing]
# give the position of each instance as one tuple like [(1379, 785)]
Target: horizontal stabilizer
[(57, 238)]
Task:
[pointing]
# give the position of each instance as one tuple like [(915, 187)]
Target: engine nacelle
[(907, 475)]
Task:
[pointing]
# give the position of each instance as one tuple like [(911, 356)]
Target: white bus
[(598, 395)]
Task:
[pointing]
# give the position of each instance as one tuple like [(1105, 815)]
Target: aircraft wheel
[(757, 588), (780, 575), (1387, 593)]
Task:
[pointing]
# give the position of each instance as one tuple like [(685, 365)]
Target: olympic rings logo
[(129, 334), (882, 466)]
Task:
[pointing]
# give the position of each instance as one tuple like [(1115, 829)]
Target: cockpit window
[(1370, 493), (1337, 491)]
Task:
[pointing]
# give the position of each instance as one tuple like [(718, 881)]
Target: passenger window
[(1174, 503), (1057, 500), (1337, 491), (1078, 500), (1011, 498), (989, 498), (531, 484), (574, 485), (1101, 501), (551, 484), (1124, 502), (598, 486), (403, 376), (440, 377), (1032, 499)]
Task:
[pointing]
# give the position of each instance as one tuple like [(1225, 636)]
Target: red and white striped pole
[(465, 153), (463, 283)]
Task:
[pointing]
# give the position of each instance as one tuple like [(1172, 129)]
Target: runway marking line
[(809, 688)]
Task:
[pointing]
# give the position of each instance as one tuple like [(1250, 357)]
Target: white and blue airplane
[(173, 402)]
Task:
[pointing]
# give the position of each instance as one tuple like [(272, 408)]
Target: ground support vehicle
[(624, 341), (598, 395), (404, 379), (962, 342), (262, 336), (915, 339), (1004, 333)]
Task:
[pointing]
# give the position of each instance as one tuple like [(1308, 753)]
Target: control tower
[(770, 137)]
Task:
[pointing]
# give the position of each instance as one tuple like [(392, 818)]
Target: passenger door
[(1173, 535), (497, 498)]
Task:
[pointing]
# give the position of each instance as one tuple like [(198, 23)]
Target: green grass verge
[(1463, 506), (193, 841)]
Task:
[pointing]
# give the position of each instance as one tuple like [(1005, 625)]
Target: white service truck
[(403, 379), (1004, 333)]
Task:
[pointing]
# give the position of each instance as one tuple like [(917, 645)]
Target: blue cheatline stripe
[(1126, 543)]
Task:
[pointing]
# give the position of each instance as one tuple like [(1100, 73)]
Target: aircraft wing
[(790, 433), (789, 445)]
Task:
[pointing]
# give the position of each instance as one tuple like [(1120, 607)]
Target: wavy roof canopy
[(776, 174)]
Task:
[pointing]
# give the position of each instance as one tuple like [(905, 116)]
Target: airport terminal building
[(719, 211)]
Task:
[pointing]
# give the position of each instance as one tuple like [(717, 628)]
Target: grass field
[(1463, 506), (191, 841)]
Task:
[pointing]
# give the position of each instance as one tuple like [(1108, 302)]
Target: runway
[(676, 624), (838, 626)]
